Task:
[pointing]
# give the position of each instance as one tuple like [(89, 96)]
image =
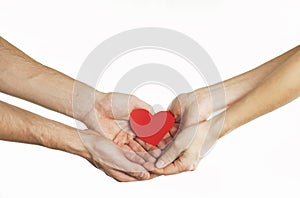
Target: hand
[(110, 158), (189, 146), (109, 116), (191, 108), (188, 109), (193, 140)]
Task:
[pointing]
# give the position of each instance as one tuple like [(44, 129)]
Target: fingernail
[(160, 164)]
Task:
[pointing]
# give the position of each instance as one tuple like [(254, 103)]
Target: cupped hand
[(109, 116), (110, 158), (188, 147), (188, 109), (191, 108), (192, 137)]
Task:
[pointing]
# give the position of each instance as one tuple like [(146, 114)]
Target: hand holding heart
[(144, 140), (108, 120), (184, 149)]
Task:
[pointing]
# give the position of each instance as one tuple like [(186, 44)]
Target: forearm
[(237, 87), (18, 125), (25, 78), (281, 87)]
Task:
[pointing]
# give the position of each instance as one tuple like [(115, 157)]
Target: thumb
[(137, 103), (181, 143), (176, 108)]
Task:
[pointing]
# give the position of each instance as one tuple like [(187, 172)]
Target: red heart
[(151, 128)]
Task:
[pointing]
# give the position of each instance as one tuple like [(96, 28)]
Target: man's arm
[(25, 78), (18, 125)]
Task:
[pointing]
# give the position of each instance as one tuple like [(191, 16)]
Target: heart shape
[(151, 128)]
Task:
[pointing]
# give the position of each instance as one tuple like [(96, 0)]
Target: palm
[(110, 118), (108, 157)]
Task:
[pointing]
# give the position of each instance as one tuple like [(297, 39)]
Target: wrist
[(227, 127), (64, 138), (203, 96), (83, 100)]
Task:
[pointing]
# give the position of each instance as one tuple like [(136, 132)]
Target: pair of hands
[(116, 150), (109, 143)]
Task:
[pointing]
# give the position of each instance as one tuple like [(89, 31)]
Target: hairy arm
[(25, 78), (18, 125)]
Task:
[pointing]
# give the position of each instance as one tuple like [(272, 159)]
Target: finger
[(139, 150), (152, 150), (186, 162), (140, 104), (145, 145), (149, 166), (169, 136), (171, 154), (165, 141), (180, 144), (140, 175), (132, 155), (173, 168), (132, 169), (123, 104), (177, 107), (163, 144), (120, 138), (118, 160), (173, 131), (153, 175), (119, 176)]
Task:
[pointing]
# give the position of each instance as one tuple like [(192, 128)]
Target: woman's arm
[(193, 107), (238, 86), (281, 87)]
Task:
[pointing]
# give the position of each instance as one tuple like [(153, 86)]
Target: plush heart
[(151, 128)]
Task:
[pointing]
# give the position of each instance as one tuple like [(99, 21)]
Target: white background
[(258, 159)]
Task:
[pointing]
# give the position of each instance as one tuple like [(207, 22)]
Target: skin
[(248, 96), (18, 125), (25, 78), (110, 145)]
